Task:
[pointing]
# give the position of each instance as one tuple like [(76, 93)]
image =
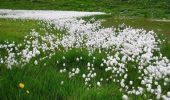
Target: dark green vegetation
[(44, 82), (141, 8)]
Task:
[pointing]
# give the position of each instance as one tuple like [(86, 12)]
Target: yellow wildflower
[(21, 85)]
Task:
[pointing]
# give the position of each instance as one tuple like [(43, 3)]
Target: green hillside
[(140, 8)]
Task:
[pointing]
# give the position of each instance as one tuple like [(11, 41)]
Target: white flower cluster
[(74, 72), (63, 70), (91, 74), (122, 45), (130, 45), (10, 58)]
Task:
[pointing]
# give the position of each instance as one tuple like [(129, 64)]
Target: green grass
[(44, 82), (140, 8), (15, 30)]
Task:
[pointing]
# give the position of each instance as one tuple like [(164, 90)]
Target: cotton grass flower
[(27, 91), (124, 97), (62, 82), (98, 84), (35, 62)]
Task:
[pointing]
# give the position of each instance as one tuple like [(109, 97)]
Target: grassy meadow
[(45, 81)]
